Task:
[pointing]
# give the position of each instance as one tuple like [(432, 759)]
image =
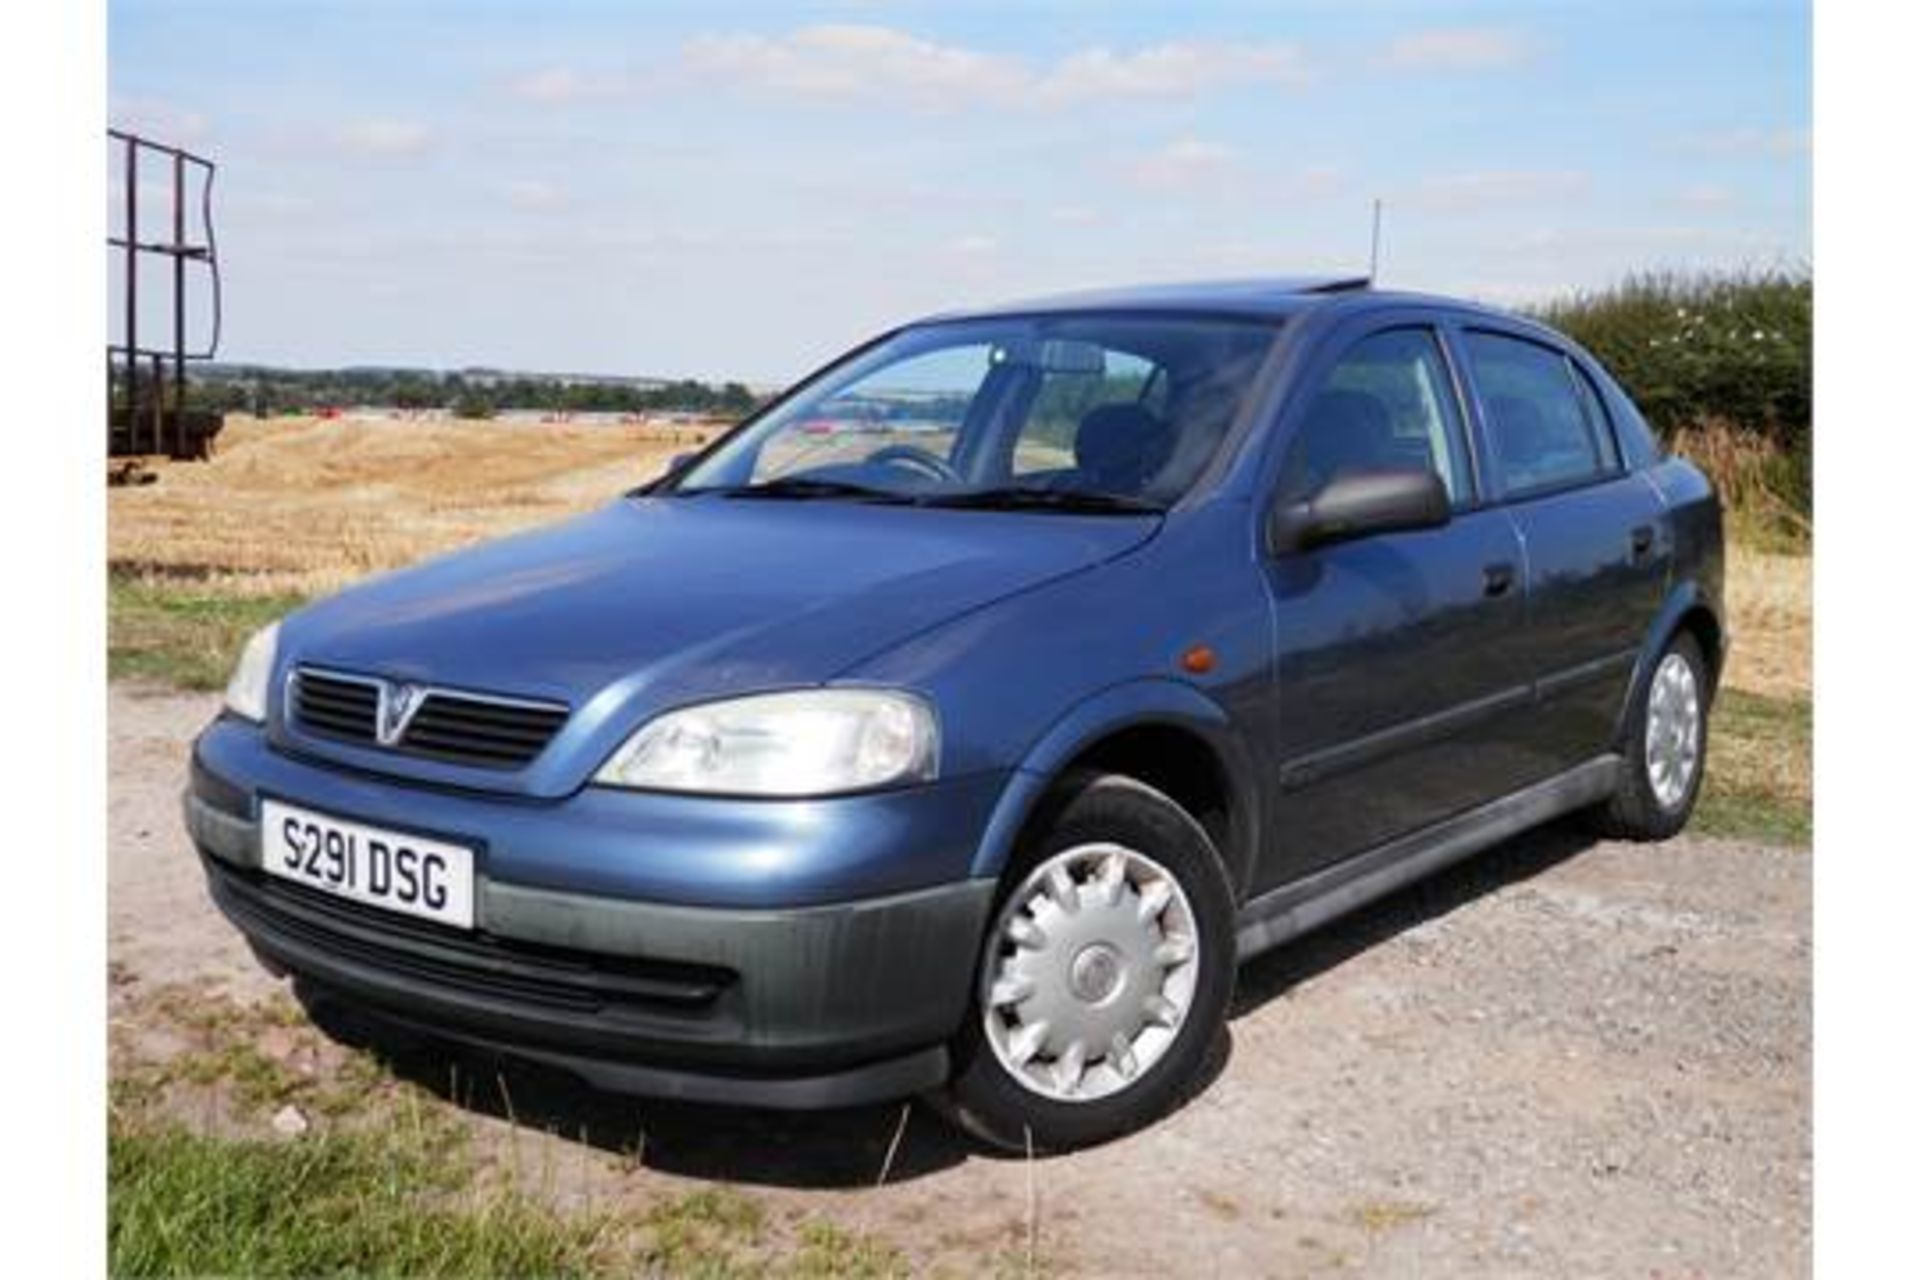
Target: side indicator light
[(1198, 660)]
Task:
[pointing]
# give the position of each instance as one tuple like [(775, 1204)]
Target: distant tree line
[(267, 391)]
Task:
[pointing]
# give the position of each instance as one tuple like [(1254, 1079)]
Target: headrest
[(1121, 446)]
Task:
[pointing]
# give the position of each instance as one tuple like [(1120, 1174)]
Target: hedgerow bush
[(1722, 366)]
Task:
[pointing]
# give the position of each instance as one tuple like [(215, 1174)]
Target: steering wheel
[(912, 455)]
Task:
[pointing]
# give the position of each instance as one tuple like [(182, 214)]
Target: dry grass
[(1770, 603), (301, 506), (1760, 764), (1766, 488)]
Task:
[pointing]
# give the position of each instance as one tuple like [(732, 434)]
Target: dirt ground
[(1565, 1058)]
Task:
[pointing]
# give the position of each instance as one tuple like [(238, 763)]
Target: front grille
[(461, 728), (472, 731), (336, 706)]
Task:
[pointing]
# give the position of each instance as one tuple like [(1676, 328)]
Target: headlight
[(247, 690), (811, 742)]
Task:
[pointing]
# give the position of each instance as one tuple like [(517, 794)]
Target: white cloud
[(533, 194), (1704, 195), (1184, 163), (877, 62), (160, 120), (973, 246), (1493, 188), (1182, 69), (554, 85), (1457, 49), (387, 138), (849, 60), (1750, 142), (1074, 215)]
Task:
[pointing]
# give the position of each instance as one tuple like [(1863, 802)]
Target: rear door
[(1595, 542), (1399, 675)]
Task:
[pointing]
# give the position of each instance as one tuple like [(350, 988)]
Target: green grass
[(401, 1199), (181, 636), (1759, 782), (384, 1180), (392, 1202)]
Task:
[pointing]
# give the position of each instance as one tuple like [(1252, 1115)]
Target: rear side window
[(1387, 403), (1547, 424)]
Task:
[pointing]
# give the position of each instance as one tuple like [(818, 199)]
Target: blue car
[(968, 752)]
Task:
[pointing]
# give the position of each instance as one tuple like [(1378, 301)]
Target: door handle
[(1642, 541), (1497, 579)]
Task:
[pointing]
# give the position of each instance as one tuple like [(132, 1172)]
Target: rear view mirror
[(1355, 504), (1066, 356)]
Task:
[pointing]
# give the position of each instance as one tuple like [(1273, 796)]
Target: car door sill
[(1285, 913)]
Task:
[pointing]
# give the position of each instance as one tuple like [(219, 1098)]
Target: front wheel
[(1104, 978), (1666, 748)]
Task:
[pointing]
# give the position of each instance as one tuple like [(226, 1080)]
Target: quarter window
[(1546, 423), (1387, 404)]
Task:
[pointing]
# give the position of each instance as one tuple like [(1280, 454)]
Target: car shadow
[(1521, 858), (843, 1148), (850, 1147)]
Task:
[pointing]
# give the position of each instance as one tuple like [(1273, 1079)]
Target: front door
[(1400, 685)]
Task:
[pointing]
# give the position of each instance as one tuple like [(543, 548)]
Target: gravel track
[(1565, 1058)]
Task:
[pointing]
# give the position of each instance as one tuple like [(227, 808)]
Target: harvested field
[(304, 506)]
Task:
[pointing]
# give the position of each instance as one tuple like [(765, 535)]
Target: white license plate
[(392, 870)]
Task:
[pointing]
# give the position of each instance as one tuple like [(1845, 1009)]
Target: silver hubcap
[(1090, 972), (1673, 730)]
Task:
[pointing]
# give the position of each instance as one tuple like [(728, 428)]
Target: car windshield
[(1077, 413)]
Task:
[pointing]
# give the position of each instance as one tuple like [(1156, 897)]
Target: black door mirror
[(1356, 504)]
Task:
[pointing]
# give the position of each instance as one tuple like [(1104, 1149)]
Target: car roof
[(1267, 298)]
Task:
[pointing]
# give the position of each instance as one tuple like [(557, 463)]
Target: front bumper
[(826, 1004)]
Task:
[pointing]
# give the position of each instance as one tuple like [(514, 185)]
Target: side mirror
[(1356, 504)]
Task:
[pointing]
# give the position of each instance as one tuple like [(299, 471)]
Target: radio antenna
[(1373, 259)]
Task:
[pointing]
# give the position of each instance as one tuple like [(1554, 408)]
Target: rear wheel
[(1666, 748), (1105, 975)]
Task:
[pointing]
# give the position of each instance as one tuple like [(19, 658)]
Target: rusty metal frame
[(167, 379)]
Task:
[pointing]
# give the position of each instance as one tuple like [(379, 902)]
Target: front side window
[(1040, 411), (1544, 433), (1387, 404)]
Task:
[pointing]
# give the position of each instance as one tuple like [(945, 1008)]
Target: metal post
[(179, 304), (133, 285), (158, 382)]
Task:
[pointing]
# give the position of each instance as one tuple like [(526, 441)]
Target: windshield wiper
[(800, 487), (1017, 498)]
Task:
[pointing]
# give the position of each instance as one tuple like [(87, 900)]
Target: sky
[(740, 190)]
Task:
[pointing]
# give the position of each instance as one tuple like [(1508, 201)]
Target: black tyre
[(1105, 974), (1665, 752)]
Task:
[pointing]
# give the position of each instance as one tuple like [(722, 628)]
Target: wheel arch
[(1689, 609), (1168, 735)]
